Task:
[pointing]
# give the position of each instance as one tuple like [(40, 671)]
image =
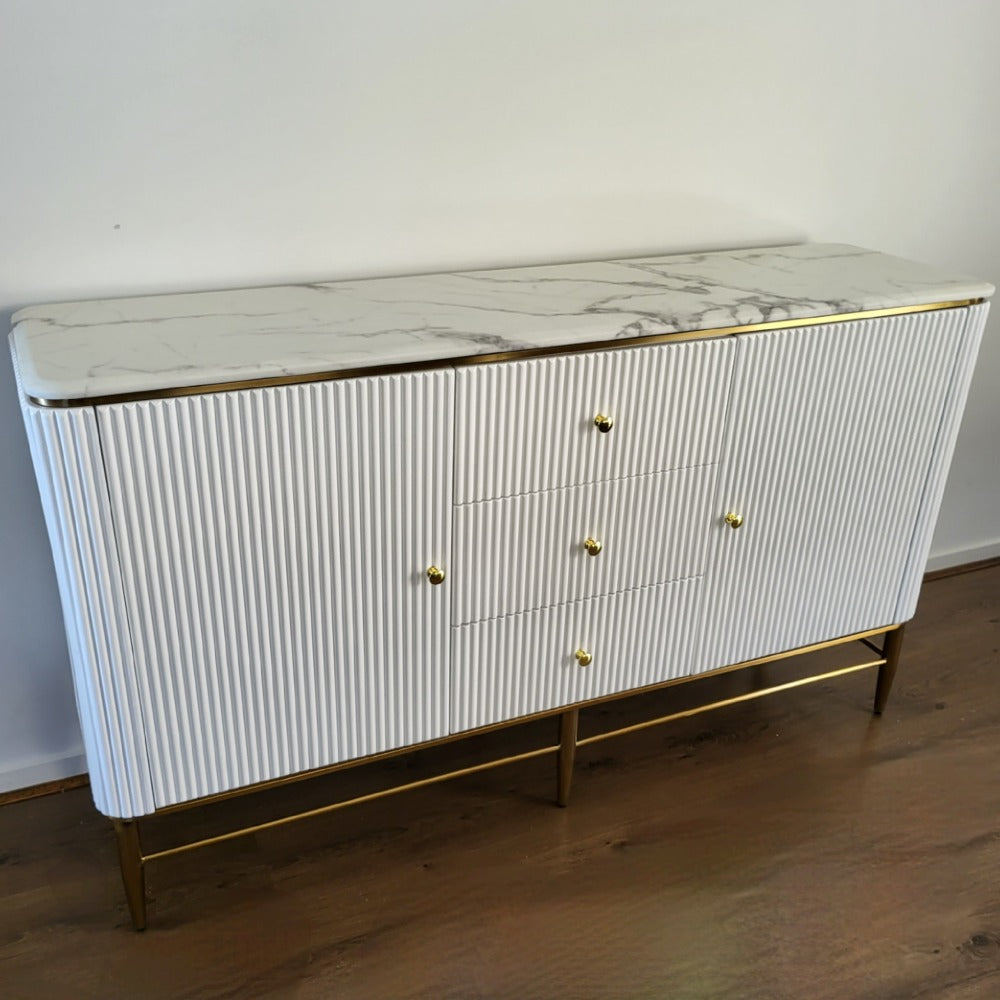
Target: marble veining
[(81, 350)]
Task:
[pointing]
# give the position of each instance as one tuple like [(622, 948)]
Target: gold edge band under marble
[(319, 772), (483, 359), (332, 807)]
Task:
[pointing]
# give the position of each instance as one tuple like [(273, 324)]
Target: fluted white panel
[(526, 426), (508, 667), (66, 453), (274, 545), (526, 552), (831, 435), (944, 447)]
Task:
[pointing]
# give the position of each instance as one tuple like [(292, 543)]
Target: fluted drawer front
[(508, 667), (527, 552), (832, 435), (275, 545), (527, 426)]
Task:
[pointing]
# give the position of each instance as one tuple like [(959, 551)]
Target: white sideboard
[(299, 527)]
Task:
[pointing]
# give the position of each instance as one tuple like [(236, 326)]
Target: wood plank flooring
[(792, 847)]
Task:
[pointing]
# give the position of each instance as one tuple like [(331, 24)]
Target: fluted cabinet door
[(831, 437), (274, 545)]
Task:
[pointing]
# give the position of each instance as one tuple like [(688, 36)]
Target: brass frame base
[(133, 860)]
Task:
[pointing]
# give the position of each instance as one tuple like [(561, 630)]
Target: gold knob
[(583, 658), (593, 546), (734, 520), (604, 423), (435, 575)]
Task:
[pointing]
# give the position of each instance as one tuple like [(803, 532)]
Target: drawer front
[(527, 552), (527, 426), (510, 667)]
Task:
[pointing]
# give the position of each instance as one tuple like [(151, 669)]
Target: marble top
[(110, 347)]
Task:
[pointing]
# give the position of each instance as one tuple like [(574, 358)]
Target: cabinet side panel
[(66, 452), (941, 462), (830, 439), (275, 544)]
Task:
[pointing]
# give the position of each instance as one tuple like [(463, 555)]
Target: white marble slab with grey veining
[(102, 348)]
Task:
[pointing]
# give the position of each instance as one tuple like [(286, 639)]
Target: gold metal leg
[(568, 722), (133, 872), (887, 672)]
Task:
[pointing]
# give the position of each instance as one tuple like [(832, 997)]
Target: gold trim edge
[(492, 358)]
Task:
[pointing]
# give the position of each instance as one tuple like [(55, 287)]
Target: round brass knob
[(583, 658), (435, 575), (733, 519), (604, 423), (593, 546)]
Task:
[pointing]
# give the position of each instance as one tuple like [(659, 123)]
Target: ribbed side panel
[(529, 425), (509, 667), (66, 452), (526, 552), (944, 449), (275, 544), (831, 435)]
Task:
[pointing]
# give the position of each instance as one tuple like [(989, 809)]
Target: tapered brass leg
[(887, 672), (133, 873), (567, 754)]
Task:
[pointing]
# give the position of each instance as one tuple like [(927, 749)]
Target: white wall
[(181, 145)]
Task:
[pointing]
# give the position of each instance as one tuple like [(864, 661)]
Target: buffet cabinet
[(265, 582)]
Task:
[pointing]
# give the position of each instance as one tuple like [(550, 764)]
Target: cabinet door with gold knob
[(832, 434), (284, 552), (545, 423)]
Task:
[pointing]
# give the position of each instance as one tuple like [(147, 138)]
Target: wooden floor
[(789, 847)]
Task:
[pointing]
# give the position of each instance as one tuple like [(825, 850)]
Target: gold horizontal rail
[(735, 700), (333, 807), (268, 381)]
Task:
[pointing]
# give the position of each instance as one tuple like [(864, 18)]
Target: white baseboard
[(945, 560), (48, 769)]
